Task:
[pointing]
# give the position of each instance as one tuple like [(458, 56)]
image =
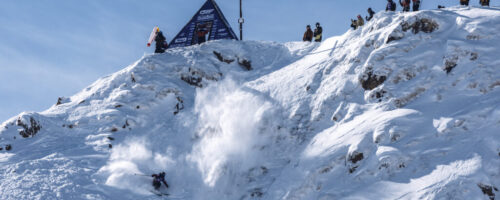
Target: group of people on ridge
[(317, 34), (482, 2), (391, 5)]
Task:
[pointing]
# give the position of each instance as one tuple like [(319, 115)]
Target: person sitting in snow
[(405, 4), (158, 179), (371, 13), (161, 43), (391, 6), (308, 35), (318, 33), (464, 2)]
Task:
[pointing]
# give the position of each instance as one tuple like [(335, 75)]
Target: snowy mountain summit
[(406, 107)]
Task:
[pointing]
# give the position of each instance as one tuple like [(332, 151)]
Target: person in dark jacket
[(416, 5), (391, 6), (354, 24), (201, 33), (308, 35), (484, 2), (318, 33), (464, 2), (370, 13), (158, 179), (161, 43), (405, 4)]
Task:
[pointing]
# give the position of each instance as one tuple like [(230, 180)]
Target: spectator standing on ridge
[(318, 33), (360, 21), (308, 35), (201, 33), (161, 43), (405, 4), (464, 2), (391, 6), (484, 2), (416, 5), (370, 13)]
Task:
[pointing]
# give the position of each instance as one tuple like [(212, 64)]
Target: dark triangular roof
[(211, 15)]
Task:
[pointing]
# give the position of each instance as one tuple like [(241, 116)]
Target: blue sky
[(53, 48)]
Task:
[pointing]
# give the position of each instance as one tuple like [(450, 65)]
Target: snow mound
[(406, 107)]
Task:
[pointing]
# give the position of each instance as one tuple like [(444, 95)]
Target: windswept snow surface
[(407, 107)]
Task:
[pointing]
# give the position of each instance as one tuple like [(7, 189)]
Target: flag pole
[(241, 21)]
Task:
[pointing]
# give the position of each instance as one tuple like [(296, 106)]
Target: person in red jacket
[(405, 4), (201, 33)]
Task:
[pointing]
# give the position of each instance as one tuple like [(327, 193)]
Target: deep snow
[(407, 107)]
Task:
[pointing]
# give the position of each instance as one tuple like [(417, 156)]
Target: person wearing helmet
[(360, 21), (161, 42), (158, 179), (318, 33), (354, 24), (308, 35)]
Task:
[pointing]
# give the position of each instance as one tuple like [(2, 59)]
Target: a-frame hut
[(207, 24)]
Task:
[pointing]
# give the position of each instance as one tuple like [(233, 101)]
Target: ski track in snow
[(298, 126)]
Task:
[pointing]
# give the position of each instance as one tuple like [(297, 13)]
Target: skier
[(405, 4), (201, 33), (391, 6), (416, 5), (484, 2), (318, 33), (308, 35), (360, 21), (354, 24), (464, 2), (158, 179), (161, 43), (371, 13)]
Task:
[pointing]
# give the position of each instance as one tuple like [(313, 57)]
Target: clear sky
[(53, 48)]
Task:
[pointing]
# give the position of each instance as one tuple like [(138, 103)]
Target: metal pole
[(241, 22)]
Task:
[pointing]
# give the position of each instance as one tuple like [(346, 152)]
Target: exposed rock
[(370, 81), (488, 190), (114, 129), (257, 192), (31, 130), (179, 106), (118, 106), (1, 148), (110, 146), (245, 64), (425, 25), (8, 147), (221, 58), (132, 77), (81, 102), (111, 138), (449, 65), (356, 157)]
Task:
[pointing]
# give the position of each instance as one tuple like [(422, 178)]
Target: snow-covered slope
[(407, 107)]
